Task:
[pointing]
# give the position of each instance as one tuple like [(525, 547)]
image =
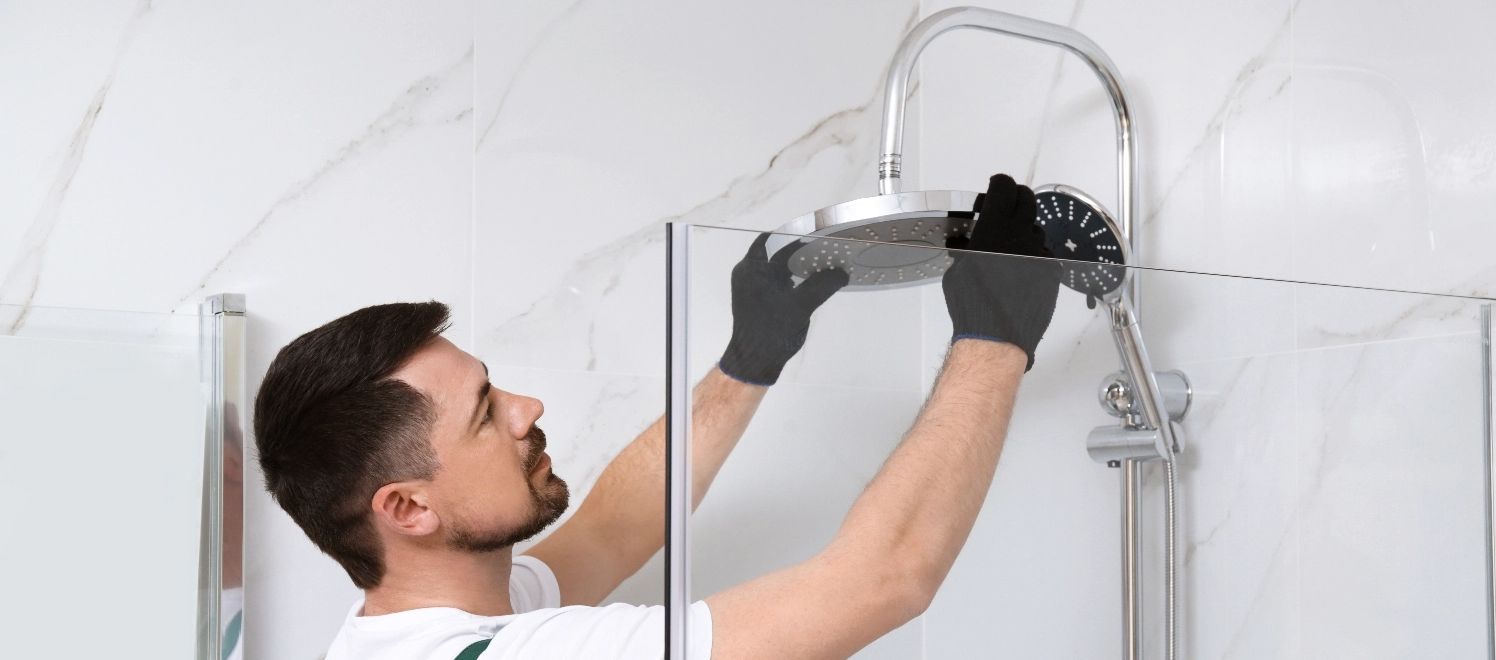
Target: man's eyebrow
[(482, 396)]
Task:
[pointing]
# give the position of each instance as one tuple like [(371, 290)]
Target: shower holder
[(1135, 439), (1110, 445), (1116, 394)]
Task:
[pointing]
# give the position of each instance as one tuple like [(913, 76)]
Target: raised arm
[(903, 533), (900, 537), (621, 524)]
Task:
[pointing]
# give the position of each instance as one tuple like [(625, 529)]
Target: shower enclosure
[(1336, 474), (1295, 338), (1077, 226), (122, 449)]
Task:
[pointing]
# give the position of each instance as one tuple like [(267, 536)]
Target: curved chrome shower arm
[(896, 89), (1124, 308)]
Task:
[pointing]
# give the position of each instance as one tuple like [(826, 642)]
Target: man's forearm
[(923, 502), (628, 499)]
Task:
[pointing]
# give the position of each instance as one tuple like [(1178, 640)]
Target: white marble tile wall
[(518, 160), (314, 156)]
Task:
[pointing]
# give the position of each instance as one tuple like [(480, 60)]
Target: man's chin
[(550, 500), (554, 498)]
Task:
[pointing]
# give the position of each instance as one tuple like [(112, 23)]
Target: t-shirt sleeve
[(532, 585), (612, 632)]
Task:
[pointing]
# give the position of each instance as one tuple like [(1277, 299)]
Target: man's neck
[(471, 582)]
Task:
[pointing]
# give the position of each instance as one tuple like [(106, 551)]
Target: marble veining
[(1246, 77), (592, 440), (594, 274), (407, 111), (1379, 316), (541, 36), (1266, 589), (25, 274), (1049, 94)]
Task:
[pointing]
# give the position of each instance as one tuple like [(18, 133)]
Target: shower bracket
[(1134, 438), (1113, 444)]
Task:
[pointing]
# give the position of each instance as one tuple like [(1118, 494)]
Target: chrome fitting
[(889, 171), (1112, 444), (1118, 396)]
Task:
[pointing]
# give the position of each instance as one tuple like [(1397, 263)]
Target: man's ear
[(404, 508)]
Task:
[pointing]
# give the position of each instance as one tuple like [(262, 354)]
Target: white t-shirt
[(539, 628)]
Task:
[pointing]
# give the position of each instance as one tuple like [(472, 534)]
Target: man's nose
[(524, 410), (533, 408)]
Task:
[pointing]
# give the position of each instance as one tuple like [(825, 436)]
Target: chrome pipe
[(1171, 558), (1132, 598), (1488, 396), (1125, 332), (896, 89), (1150, 399), (678, 442)]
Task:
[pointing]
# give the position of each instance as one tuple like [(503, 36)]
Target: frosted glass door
[(101, 455)]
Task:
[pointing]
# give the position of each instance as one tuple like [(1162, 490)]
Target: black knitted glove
[(1005, 299), (770, 315)]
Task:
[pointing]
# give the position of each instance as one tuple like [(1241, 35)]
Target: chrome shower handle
[(1134, 356)]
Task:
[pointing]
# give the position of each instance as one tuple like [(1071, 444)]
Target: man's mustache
[(536, 440)]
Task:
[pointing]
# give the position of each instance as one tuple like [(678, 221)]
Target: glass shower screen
[(102, 456), (1333, 494)]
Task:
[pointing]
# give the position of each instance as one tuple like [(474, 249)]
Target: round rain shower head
[(1077, 228), (882, 242)]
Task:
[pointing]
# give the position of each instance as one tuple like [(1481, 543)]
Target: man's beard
[(548, 501)]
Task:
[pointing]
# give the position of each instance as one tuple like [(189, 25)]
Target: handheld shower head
[(1078, 228)]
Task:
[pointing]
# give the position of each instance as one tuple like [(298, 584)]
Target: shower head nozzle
[(1077, 228)]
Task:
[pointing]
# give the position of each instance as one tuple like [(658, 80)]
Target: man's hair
[(332, 426)]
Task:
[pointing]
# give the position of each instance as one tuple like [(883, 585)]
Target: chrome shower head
[(883, 242), (897, 240), (1078, 229)]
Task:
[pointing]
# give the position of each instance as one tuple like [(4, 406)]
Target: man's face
[(495, 487)]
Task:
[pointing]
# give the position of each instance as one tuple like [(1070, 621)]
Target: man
[(389, 447)]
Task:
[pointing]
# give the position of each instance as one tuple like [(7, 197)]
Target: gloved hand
[(1004, 299), (770, 315)]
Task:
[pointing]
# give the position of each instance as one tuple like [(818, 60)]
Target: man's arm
[(900, 537), (903, 533), (621, 524)]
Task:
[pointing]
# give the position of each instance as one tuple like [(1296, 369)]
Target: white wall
[(314, 156), (517, 160)]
